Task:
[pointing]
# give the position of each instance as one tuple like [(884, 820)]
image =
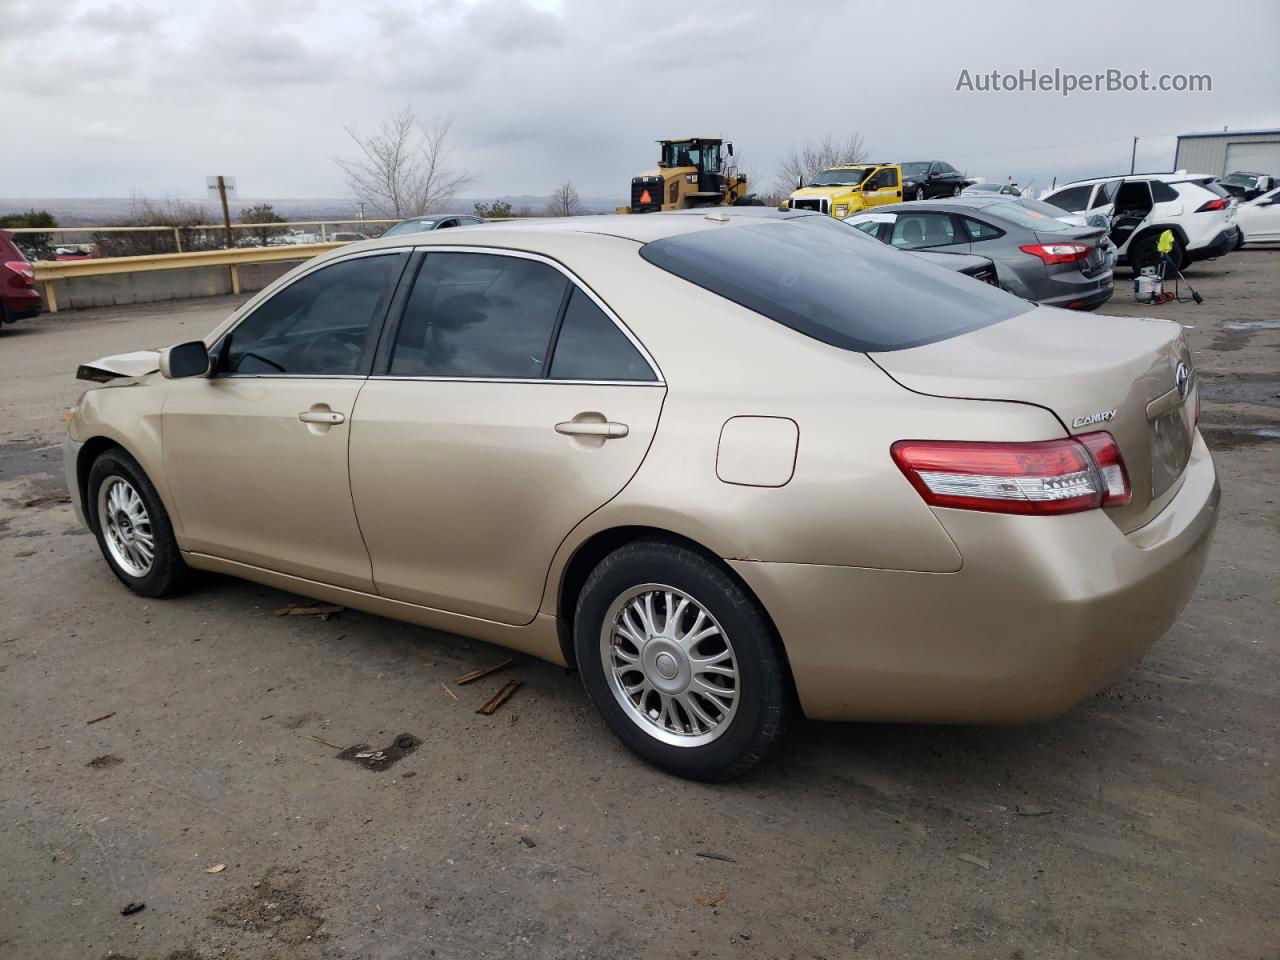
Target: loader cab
[(704, 157)]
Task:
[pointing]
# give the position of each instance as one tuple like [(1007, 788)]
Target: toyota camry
[(733, 470)]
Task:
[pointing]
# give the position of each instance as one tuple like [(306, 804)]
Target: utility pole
[(226, 214), (1133, 157)]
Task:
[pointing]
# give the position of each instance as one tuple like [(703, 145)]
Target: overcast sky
[(111, 98)]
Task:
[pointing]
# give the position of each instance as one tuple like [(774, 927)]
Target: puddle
[(378, 760), (1243, 389), (1225, 438), (1248, 326)]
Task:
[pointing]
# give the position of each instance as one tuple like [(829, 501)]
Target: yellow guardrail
[(47, 271), (324, 226)]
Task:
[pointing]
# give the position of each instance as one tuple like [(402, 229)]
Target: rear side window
[(1073, 199), (591, 347), (818, 277), (978, 230), (1161, 192), (478, 315)]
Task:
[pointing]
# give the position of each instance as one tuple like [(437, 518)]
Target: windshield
[(848, 177), (1246, 180), (913, 170), (704, 156), (834, 284), (410, 226)]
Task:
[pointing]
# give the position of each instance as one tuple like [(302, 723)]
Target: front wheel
[(681, 661), (133, 528)]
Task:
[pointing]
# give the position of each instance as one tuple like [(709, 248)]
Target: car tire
[(955, 191), (920, 192), (133, 527), (1144, 253), (628, 637)]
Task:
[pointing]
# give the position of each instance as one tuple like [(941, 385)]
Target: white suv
[(1142, 206)]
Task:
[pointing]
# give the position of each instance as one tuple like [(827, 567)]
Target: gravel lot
[(150, 741)]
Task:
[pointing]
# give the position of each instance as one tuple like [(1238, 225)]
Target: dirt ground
[(147, 742)]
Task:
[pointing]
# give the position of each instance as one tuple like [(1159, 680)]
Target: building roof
[(1274, 132)]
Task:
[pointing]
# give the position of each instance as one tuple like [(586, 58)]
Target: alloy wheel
[(126, 526), (670, 665)]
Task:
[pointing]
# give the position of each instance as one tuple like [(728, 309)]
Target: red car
[(19, 297)]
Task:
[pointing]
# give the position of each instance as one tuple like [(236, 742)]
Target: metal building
[(1225, 151)]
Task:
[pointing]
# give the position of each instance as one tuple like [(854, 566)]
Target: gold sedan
[(730, 468)]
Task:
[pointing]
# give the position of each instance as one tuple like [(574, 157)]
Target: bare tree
[(813, 156), (403, 169), (565, 202)]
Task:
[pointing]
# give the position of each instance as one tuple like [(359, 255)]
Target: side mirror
[(184, 360)]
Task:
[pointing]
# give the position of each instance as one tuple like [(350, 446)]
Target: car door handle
[(322, 416), (592, 428)]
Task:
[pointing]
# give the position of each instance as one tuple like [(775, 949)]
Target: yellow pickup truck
[(845, 190)]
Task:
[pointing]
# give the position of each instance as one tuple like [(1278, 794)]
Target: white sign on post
[(211, 187)]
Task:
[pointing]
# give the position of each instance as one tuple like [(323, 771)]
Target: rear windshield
[(1037, 220), (829, 281)]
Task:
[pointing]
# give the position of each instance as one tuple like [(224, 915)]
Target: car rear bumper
[(1224, 242), (21, 304), (1078, 294), (1044, 612)]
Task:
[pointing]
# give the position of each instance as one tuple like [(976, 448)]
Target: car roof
[(1177, 176)]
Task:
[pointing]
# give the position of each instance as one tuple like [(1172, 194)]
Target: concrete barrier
[(78, 293)]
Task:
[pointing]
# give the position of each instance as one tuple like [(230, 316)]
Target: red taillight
[(22, 269), (1052, 253), (1217, 203), (1046, 477)]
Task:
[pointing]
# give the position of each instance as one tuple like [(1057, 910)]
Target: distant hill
[(103, 211)]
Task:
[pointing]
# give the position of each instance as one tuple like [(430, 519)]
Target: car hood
[(824, 191), (139, 363)]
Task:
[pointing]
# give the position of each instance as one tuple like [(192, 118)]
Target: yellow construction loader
[(692, 172)]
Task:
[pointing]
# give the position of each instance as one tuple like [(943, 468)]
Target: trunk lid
[(1092, 265), (1092, 372)]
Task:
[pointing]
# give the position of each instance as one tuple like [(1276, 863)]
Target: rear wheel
[(955, 191), (920, 192), (133, 528), (681, 661)]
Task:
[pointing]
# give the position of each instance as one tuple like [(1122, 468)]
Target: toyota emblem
[(1182, 380)]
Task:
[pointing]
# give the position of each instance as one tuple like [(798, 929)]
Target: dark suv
[(19, 297), (926, 179)]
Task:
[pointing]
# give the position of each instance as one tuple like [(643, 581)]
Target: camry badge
[(1182, 380), (1102, 416)]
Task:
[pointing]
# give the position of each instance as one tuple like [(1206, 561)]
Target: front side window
[(915, 231), (591, 347), (1106, 193), (478, 315), (841, 177), (317, 325), (914, 171)]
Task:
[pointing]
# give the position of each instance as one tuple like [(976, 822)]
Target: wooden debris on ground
[(474, 675), (712, 901), (325, 742), (322, 610), (450, 692), (48, 500), (499, 698), (105, 716)]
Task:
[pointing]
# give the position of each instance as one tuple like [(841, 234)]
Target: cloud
[(100, 131)]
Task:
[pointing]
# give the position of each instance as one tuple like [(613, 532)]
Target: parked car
[(19, 297), (1142, 206), (347, 236), (1037, 256), (844, 190), (1101, 221), (1246, 186), (926, 179), (1260, 219), (434, 222), (980, 268), (726, 467), (989, 189)]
